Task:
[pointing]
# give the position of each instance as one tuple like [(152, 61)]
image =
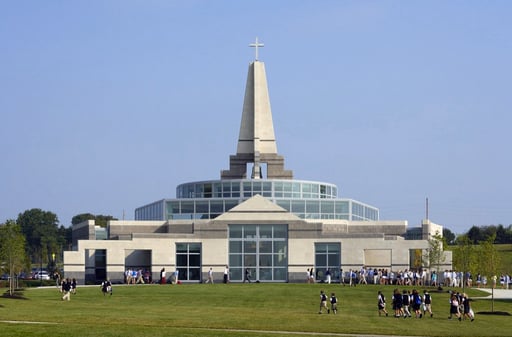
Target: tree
[(100, 220), (12, 251), (489, 257), (463, 256), (40, 230), (489, 261), (434, 255), (448, 236), (475, 234), (501, 235), (82, 217)]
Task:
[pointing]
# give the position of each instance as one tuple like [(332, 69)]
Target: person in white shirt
[(226, 275), (210, 276)]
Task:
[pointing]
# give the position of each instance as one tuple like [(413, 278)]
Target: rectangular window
[(188, 261), (327, 207), (216, 206), (327, 257), (217, 190), (202, 206), (187, 207), (261, 248), (247, 189), (298, 206), (207, 190), (265, 232), (312, 206), (226, 190), (235, 231), (235, 190)]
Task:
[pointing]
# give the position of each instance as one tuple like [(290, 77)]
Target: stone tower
[(256, 141)]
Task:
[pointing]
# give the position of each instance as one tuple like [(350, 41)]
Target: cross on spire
[(256, 45)]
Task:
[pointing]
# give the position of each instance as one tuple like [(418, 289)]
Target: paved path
[(498, 293)]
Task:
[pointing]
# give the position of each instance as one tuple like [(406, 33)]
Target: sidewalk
[(498, 293)]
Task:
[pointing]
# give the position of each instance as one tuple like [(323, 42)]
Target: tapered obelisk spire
[(256, 141)]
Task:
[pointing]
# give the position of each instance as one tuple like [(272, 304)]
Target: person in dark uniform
[(106, 287), (247, 275)]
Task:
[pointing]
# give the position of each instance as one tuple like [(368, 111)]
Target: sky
[(106, 106)]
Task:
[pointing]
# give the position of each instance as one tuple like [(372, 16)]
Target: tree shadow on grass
[(498, 313), (16, 295)]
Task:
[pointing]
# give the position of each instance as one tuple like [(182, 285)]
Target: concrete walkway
[(499, 294)]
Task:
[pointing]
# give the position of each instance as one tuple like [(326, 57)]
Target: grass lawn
[(233, 310)]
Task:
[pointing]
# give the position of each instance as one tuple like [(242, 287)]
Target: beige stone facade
[(376, 244)]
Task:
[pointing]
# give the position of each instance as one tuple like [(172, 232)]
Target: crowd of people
[(411, 303), (137, 276), (407, 277)]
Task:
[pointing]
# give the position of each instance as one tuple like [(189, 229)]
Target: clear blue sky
[(106, 106)]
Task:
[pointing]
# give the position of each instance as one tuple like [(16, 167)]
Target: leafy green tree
[(82, 217), (501, 235), (12, 251), (65, 237), (482, 233), (508, 234), (40, 230), (475, 234), (100, 220), (448, 236), (434, 255), (489, 259), (464, 256)]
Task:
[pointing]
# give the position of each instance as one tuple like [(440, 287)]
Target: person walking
[(162, 276), (427, 303), (210, 276), (416, 303), (328, 276), (66, 290), (454, 307), (334, 303), (323, 302), (381, 303), (468, 312), (73, 286), (226, 275), (106, 287), (247, 275), (406, 301)]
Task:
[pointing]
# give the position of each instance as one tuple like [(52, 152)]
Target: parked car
[(24, 276), (41, 275)]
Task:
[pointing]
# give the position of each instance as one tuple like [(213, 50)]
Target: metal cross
[(256, 44)]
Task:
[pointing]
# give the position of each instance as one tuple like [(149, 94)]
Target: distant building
[(256, 216)]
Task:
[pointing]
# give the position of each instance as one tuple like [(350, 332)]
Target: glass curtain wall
[(263, 249)]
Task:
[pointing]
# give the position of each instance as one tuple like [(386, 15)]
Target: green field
[(232, 310)]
